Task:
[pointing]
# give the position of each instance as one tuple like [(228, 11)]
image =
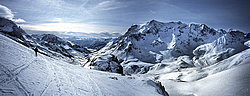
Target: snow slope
[(229, 77), (23, 74)]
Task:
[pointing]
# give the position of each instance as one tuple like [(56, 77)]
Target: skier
[(36, 50)]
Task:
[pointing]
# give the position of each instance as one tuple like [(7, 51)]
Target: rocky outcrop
[(10, 28)]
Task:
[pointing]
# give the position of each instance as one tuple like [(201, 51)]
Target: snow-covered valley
[(150, 59)]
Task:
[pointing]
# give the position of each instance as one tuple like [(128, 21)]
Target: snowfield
[(232, 82), (23, 74), (230, 77)]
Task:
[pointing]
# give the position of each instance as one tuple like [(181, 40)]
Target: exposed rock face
[(160, 88), (10, 28), (108, 63)]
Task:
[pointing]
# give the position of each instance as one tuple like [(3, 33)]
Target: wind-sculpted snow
[(222, 48), (23, 74), (229, 77), (144, 45)]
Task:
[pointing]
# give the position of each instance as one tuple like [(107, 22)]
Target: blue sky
[(94, 16)]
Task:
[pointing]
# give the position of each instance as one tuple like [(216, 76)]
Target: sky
[(116, 16)]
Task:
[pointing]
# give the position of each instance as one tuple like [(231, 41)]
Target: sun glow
[(73, 27)]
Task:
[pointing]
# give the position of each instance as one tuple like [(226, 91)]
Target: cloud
[(71, 27), (19, 20), (56, 20), (8, 14), (109, 5), (151, 11)]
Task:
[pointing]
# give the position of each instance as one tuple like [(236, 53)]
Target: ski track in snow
[(97, 92), (12, 77)]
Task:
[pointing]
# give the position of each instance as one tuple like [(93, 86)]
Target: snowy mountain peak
[(173, 35), (154, 22), (155, 41)]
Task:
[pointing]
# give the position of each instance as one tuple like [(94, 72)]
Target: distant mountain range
[(76, 35), (93, 41)]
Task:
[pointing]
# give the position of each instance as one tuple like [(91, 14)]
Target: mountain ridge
[(48, 44), (155, 41)]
